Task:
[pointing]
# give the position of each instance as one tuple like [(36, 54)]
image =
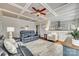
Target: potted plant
[(75, 35)]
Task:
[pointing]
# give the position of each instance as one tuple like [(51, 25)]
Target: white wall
[(42, 30), (17, 23), (64, 24)]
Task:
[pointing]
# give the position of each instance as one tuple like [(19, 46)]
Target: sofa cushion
[(32, 33), (25, 35), (13, 42)]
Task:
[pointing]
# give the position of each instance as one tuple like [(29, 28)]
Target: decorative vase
[(75, 42)]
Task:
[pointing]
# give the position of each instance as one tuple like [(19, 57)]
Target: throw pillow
[(13, 42), (10, 47)]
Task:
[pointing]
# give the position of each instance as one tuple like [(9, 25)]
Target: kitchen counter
[(69, 49), (61, 35), (68, 43)]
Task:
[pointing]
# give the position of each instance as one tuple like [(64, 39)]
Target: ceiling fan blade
[(34, 8), (43, 13), (43, 9), (33, 12)]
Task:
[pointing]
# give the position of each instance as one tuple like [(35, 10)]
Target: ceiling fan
[(39, 11)]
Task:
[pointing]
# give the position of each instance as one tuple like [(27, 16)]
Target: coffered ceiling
[(54, 11)]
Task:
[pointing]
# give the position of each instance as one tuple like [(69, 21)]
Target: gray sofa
[(28, 36)]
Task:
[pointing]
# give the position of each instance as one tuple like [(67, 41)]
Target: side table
[(45, 36)]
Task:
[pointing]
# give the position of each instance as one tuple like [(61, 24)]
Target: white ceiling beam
[(17, 14), (62, 6), (28, 5), (1, 13), (15, 5), (24, 9), (50, 10)]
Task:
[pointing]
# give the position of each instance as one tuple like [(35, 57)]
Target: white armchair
[(52, 36)]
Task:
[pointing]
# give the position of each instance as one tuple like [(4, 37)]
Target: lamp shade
[(78, 28), (10, 29), (26, 28)]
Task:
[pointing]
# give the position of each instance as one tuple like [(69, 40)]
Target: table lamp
[(26, 28), (10, 30)]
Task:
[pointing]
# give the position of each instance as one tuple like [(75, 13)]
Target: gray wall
[(13, 22)]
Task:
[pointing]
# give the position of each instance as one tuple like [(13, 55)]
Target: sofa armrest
[(25, 51), (2, 52)]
